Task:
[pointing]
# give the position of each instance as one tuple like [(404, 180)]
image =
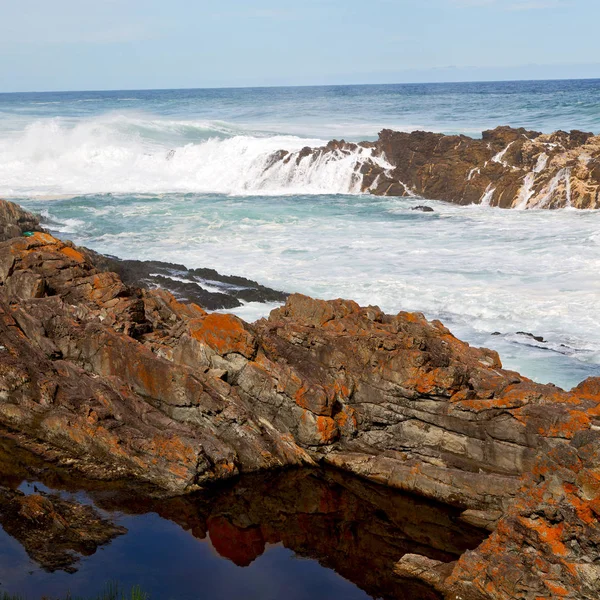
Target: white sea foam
[(132, 154), (528, 182), (552, 187), (499, 158), (486, 199)]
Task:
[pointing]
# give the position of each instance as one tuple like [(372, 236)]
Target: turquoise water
[(179, 175)]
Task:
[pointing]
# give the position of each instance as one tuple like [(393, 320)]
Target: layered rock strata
[(509, 168), (126, 382)]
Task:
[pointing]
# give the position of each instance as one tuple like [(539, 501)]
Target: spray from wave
[(131, 154)]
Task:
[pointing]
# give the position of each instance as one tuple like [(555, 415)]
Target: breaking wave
[(132, 154)]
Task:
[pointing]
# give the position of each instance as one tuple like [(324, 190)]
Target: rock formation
[(509, 168), (125, 382)]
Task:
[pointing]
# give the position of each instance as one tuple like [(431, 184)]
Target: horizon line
[(320, 85)]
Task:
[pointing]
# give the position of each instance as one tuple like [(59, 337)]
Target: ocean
[(178, 175)]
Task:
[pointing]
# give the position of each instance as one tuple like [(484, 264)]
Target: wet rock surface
[(206, 287), (507, 167), (124, 382)]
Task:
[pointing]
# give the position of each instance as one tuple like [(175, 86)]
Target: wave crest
[(120, 153)]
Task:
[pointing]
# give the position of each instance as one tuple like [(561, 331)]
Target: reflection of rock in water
[(358, 529), (354, 527), (54, 532)]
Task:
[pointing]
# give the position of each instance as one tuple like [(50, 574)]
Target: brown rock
[(508, 168), (14, 221)]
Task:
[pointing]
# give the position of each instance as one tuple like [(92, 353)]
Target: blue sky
[(131, 44)]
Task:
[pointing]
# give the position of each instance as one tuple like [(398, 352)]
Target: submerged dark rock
[(129, 383), (537, 338), (423, 208), (205, 287)]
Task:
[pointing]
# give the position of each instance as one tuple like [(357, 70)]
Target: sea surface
[(178, 176)]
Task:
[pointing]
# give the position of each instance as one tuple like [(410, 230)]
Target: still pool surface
[(292, 535)]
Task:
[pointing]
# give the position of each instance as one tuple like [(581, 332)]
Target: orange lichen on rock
[(73, 254), (557, 590), (574, 422), (552, 535), (224, 334), (44, 238), (327, 429), (346, 420), (413, 317), (180, 457), (315, 399)]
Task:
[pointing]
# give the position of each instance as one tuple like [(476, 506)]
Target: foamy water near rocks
[(122, 382), (509, 168)]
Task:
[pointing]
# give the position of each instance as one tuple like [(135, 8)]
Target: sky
[(149, 44)]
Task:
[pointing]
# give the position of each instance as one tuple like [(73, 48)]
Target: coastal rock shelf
[(509, 168), (122, 382)]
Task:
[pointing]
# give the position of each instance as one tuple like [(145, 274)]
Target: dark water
[(295, 535)]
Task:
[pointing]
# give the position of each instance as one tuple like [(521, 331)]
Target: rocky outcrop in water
[(509, 168), (206, 287), (119, 382)]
